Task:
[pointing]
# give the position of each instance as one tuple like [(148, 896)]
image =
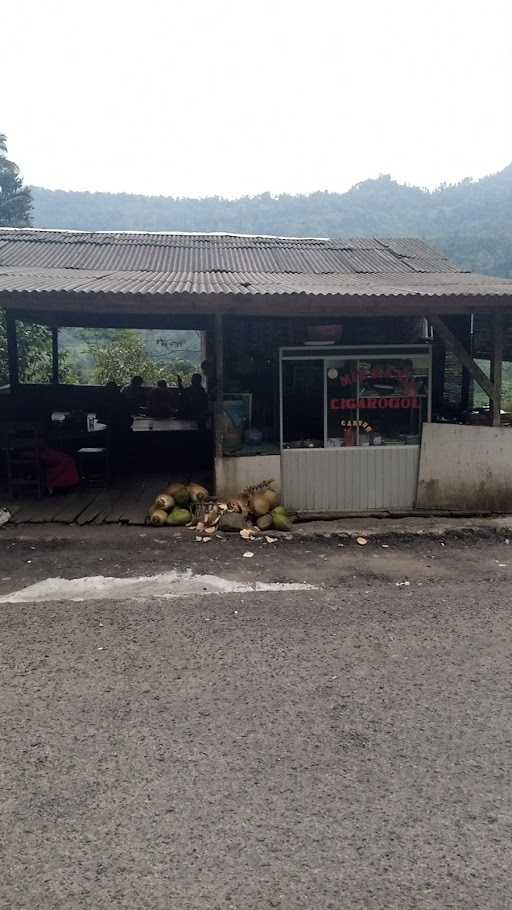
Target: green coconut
[(179, 517), (280, 519)]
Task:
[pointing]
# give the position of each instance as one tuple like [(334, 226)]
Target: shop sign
[(372, 404), (386, 372), (357, 424)]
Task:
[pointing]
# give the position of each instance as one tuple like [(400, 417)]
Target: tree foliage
[(125, 356), (15, 199), (34, 354), (34, 346)]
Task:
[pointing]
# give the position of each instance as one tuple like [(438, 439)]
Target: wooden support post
[(218, 422), (438, 370), (496, 368), (465, 392), (464, 358), (55, 356), (12, 350)]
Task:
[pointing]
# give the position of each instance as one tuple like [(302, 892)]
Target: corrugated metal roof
[(207, 252), (83, 281), (79, 262)]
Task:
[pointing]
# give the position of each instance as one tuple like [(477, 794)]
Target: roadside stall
[(316, 374)]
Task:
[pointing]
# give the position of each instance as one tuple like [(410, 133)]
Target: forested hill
[(470, 221)]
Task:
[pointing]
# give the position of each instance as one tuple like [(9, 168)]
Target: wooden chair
[(24, 446)]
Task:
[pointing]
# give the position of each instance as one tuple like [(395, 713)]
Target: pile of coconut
[(256, 510)]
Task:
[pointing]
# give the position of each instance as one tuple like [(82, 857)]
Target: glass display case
[(362, 398), (351, 421)]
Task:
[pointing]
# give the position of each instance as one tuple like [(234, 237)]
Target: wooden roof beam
[(493, 391)]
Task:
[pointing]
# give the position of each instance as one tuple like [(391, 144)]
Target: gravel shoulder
[(42, 551)]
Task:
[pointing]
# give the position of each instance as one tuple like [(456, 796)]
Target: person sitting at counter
[(135, 395), (208, 371), (194, 400), (115, 410), (160, 404)]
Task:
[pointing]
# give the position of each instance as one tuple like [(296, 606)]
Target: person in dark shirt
[(208, 371), (194, 399), (115, 410), (160, 402), (135, 394)]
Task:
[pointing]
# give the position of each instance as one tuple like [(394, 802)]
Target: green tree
[(34, 354), (125, 356), (15, 199), (34, 343)]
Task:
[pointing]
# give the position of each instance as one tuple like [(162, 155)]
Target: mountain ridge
[(470, 221)]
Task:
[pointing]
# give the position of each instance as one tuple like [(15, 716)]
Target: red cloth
[(61, 470)]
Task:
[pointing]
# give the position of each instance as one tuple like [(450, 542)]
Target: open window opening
[(140, 397)]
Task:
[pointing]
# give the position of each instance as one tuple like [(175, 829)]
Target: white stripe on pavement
[(164, 585)]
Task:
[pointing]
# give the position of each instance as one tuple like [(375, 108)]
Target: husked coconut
[(272, 498), (179, 492), (171, 489), (258, 504), (231, 521), (181, 495), (164, 501), (158, 518), (197, 493), (264, 522)]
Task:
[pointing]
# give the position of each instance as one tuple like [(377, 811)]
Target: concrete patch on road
[(166, 585)]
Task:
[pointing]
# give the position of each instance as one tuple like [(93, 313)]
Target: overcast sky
[(231, 97)]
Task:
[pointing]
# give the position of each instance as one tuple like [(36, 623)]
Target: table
[(168, 425), (58, 425)]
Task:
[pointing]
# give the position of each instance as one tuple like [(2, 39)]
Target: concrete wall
[(466, 468), (232, 475)]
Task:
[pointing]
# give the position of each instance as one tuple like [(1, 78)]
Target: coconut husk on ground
[(231, 521)]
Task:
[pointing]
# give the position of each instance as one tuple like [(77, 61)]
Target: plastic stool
[(93, 466)]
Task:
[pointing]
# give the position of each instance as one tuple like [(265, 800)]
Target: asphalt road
[(345, 747)]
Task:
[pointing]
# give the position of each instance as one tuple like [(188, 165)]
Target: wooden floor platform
[(125, 502)]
